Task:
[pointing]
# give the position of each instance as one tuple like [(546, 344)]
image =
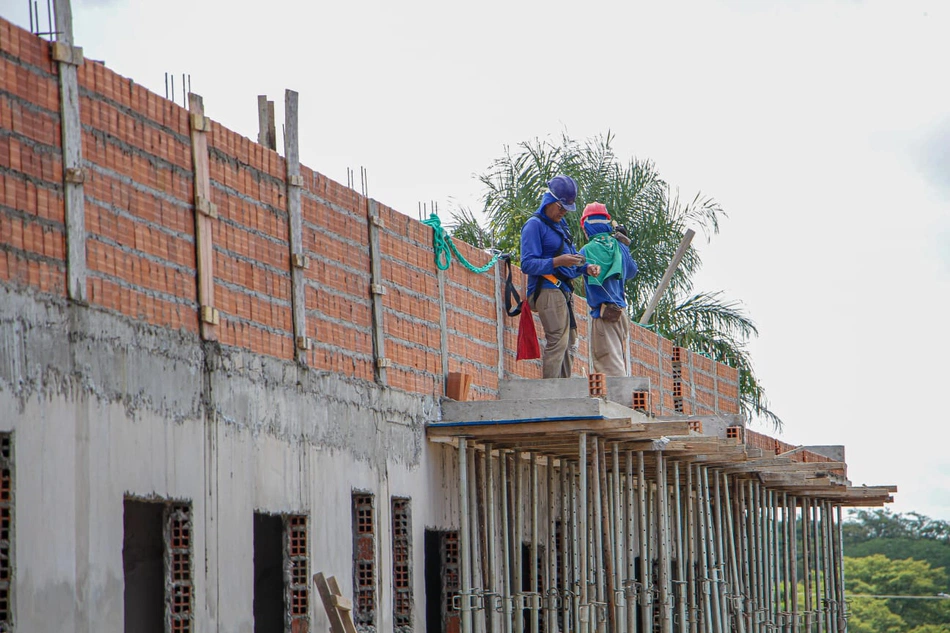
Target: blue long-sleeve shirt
[(612, 290), (539, 245)]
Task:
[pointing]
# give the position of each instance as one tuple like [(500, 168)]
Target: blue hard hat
[(565, 190)]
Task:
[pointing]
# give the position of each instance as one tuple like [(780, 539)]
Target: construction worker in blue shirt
[(608, 246), (551, 261)]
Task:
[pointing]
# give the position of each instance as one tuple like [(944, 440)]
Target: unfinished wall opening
[(143, 561), (442, 580), (156, 561), (6, 532), (281, 571), (364, 562), (402, 565), (268, 573)]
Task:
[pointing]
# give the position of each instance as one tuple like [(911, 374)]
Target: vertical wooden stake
[(205, 213), (267, 127), (376, 291), (72, 152), (298, 259)]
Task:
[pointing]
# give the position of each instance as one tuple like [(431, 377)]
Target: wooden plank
[(203, 221), (376, 281), (500, 315), (297, 256), (346, 617), (328, 597), (71, 131), (267, 127)]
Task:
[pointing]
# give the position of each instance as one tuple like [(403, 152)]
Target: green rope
[(444, 247)]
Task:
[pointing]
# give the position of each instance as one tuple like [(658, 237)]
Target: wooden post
[(665, 281), (205, 213), (443, 330), (267, 133), (298, 259), (69, 58), (499, 319), (377, 290)]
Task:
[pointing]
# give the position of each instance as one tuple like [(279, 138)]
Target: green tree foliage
[(880, 576), (869, 615), (638, 198), (898, 536)]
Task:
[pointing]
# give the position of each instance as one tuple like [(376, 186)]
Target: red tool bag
[(528, 347)]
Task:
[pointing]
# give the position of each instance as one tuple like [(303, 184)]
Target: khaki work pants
[(559, 338), (608, 345)]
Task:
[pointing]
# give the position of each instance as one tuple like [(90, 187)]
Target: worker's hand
[(593, 270), (568, 259)]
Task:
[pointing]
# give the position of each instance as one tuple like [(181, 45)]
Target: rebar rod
[(505, 546), (583, 610), (464, 540), (733, 559)]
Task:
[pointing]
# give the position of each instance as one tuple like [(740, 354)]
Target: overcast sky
[(823, 128)]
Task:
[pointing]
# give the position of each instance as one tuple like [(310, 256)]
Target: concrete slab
[(543, 388), (620, 388), (533, 409), (835, 452)]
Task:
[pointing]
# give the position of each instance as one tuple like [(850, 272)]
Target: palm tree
[(636, 197)]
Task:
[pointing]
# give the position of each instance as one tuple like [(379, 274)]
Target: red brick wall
[(141, 253)]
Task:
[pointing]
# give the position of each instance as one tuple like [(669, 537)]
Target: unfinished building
[(222, 373)]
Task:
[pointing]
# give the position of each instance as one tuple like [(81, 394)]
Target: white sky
[(823, 128)]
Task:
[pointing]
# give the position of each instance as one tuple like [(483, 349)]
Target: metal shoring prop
[(630, 586), (816, 548), (826, 602), (552, 549), (745, 552), (575, 552), (566, 531), (464, 539), (831, 618), (602, 539), (776, 555), (839, 578), (714, 573), (490, 592), (733, 559), (702, 536), (619, 541), (682, 624), (769, 564), (756, 549), (475, 500), (533, 548), (583, 610), (505, 546), (663, 594), (806, 562), (761, 571), (691, 600), (793, 556), (517, 544), (721, 555), (786, 562), (646, 620)]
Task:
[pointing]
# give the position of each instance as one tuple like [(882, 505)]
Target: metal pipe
[(565, 549), (702, 536), (746, 552), (831, 618), (490, 588), (714, 578), (619, 542), (806, 564), (680, 553), (691, 544), (733, 559), (517, 543), (464, 539), (606, 546), (576, 578), (551, 550), (793, 567), (646, 622), (787, 559), (818, 567), (842, 596), (533, 549), (629, 585), (663, 546), (476, 501), (721, 556), (505, 546), (583, 610)]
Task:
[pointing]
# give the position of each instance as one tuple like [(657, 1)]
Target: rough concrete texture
[(619, 388), (536, 409), (103, 408), (834, 452)]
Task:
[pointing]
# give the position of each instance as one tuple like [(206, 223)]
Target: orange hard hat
[(595, 208)]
